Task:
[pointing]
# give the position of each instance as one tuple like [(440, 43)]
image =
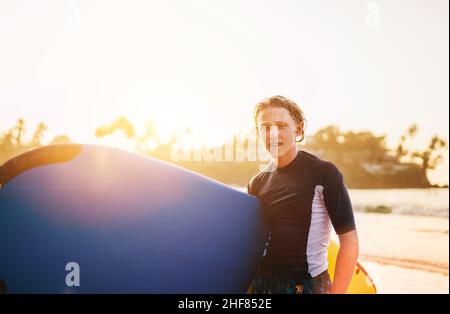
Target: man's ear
[(300, 126)]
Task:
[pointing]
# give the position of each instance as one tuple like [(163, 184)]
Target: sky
[(362, 65)]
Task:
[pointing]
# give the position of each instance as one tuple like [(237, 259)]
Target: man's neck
[(285, 160)]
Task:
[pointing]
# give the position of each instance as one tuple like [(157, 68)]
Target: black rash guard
[(300, 203)]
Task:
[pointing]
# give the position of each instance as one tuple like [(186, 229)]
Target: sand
[(405, 254)]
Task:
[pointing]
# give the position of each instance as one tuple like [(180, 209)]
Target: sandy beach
[(405, 254)]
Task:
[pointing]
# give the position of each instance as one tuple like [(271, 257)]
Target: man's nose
[(273, 134)]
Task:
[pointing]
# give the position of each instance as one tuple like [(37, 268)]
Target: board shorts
[(267, 283)]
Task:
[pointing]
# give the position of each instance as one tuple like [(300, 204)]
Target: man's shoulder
[(320, 166), (255, 183), (259, 179)]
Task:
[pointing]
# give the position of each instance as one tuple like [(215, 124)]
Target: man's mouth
[(275, 144)]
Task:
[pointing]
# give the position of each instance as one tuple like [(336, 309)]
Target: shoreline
[(407, 263)]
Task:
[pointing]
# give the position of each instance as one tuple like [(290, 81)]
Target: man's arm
[(345, 261)]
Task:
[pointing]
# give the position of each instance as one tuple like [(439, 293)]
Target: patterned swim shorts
[(266, 283)]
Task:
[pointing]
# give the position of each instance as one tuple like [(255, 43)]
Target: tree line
[(363, 157)]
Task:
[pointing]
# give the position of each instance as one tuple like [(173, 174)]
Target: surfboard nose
[(42, 156)]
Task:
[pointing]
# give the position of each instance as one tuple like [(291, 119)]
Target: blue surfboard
[(95, 219)]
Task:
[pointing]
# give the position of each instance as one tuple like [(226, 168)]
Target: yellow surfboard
[(361, 282)]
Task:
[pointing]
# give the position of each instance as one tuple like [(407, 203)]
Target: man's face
[(278, 130)]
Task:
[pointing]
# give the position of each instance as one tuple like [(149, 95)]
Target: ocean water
[(419, 202)]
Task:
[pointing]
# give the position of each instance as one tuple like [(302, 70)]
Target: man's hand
[(345, 261)]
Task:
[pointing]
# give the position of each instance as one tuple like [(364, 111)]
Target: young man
[(301, 197)]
